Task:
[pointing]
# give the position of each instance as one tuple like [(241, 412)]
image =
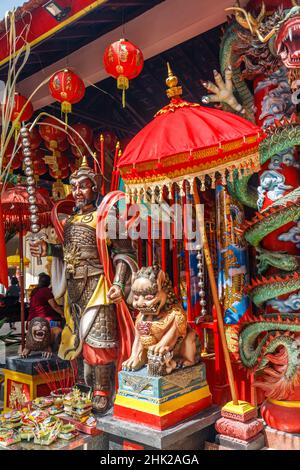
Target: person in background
[(13, 292), (43, 304)]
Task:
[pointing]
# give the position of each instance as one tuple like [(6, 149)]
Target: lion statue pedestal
[(161, 402), (162, 382)]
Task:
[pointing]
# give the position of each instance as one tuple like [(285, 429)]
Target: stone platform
[(188, 435), (29, 364)]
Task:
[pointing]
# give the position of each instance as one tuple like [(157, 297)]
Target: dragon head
[(287, 39), (266, 42)]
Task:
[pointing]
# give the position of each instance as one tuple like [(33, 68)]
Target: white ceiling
[(160, 28)]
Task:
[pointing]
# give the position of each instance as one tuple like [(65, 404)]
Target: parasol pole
[(22, 290), (187, 262), (174, 248), (215, 296)]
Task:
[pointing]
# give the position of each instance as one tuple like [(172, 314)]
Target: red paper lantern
[(51, 133), (35, 138), (84, 131), (110, 141), (59, 174), (74, 164), (16, 161), (38, 155), (61, 146), (124, 61), (39, 167), (62, 162), (76, 151), (19, 102), (65, 86), (8, 152)]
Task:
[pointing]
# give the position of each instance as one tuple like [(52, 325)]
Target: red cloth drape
[(125, 322)]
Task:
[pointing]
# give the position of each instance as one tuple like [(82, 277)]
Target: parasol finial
[(172, 82)]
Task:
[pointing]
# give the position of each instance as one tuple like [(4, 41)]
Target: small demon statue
[(92, 325), (163, 339), (41, 338)]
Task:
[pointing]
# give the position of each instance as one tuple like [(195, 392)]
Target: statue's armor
[(83, 269)]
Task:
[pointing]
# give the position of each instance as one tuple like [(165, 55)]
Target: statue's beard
[(81, 204), (87, 201), (84, 203)]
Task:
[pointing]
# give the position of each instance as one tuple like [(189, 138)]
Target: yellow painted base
[(242, 408), (163, 408)]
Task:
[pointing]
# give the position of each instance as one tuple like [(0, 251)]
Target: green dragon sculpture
[(258, 47), (275, 359)]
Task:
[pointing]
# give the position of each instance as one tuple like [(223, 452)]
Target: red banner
[(41, 24)]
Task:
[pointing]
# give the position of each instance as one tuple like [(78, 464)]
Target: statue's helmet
[(84, 171)]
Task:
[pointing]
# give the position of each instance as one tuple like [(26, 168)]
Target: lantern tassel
[(124, 98), (17, 127), (66, 108), (123, 84)]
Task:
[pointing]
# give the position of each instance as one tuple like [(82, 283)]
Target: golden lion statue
[(163, 338)]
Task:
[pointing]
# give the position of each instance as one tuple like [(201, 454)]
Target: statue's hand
[(115, 294), (38, 248), (222, 91)]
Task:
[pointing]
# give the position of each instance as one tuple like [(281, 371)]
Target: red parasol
[(15, 209), (184, 144), (185, 141)]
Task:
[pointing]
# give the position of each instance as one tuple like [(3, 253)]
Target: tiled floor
[(6, 328)]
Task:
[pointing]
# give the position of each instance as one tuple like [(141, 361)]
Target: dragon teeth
[(290, 35)]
